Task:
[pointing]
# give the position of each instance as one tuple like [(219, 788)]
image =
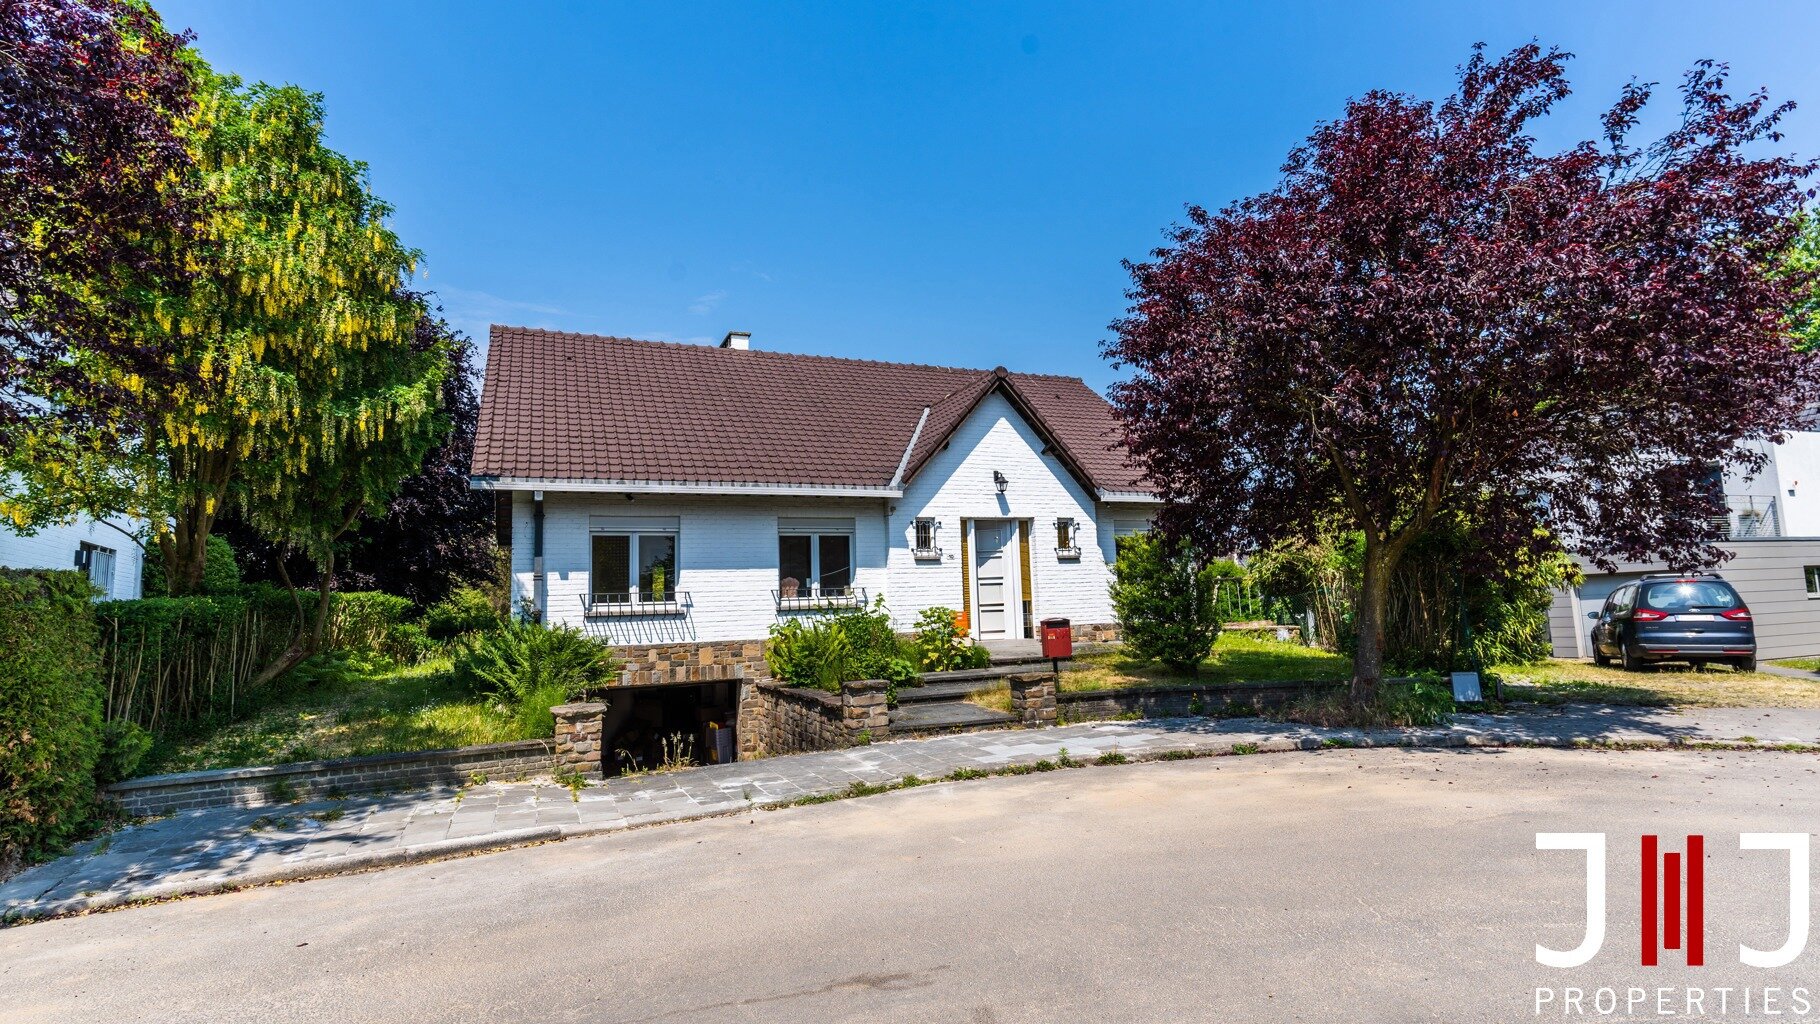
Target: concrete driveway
[(1377, 885)]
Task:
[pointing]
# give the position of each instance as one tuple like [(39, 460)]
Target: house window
[(1067, 539), (815, 563), (98, 562), (1813, 580), (923, 540), (633, 562)]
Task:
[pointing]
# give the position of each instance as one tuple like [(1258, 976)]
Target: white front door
[(995, 597)]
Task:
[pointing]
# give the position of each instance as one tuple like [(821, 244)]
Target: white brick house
[(107, 552), (654, 493)]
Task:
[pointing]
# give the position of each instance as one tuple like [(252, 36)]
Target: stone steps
[(945, 716), (947, 690)]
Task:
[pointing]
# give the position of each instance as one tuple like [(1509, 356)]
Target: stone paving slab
[(221, 848)]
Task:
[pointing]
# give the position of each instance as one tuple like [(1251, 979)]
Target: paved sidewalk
[(210, 850)]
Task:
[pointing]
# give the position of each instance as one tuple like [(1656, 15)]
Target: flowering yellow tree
[(306, 399)]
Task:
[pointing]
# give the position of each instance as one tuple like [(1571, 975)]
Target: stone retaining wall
[(1173, 702), (655, 664), (776, 719), (1094, 632), (314, 780)]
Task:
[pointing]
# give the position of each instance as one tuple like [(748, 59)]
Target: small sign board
[(1466, 687)]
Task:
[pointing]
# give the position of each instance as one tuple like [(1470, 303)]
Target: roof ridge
[(769, 353)]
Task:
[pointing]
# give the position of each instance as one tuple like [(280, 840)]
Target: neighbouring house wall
[(1798, 474), (956, 485), (1768, 574), (54, 547)]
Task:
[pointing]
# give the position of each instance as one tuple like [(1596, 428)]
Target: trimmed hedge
[(50, 711), (171, 661)]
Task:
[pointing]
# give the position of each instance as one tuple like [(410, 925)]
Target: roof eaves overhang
[(1131, 497), (804, 490)]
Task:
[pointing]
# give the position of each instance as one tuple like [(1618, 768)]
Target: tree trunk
[(1374, 603), (304, 641)]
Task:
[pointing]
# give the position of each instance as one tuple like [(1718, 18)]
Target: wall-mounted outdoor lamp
[(999, 481)]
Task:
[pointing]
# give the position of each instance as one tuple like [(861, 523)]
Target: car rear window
[(1702, 595)]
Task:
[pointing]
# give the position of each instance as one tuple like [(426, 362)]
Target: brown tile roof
[(562, 406)]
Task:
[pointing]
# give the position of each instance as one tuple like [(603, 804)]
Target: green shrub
[(50, 711), (1164, 601), (826, 652), (220, 569), (529, 668), (367, 621), (810, 652), (409, 643), (467, 610), (941, 646), (170, 661), (123, 747)]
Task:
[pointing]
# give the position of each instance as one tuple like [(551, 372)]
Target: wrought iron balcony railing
[(815, 599)]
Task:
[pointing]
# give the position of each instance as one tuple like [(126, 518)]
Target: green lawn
[(1804, 664), (417, 708), (1245, 659), (1236, 659), (1560, 680)]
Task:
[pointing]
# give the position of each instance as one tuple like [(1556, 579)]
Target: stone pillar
[(753, 730), (578, 737), (1033, 697), (865, 709)]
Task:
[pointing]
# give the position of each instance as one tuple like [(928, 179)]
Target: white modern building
[(1773, 534), (115, 563)]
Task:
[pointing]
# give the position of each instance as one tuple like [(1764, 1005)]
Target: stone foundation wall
[(1094, 632), (649, 664), (776, 719), (315, 780), (1168, 702)]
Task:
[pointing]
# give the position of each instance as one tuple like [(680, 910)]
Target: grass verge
[(1562, 681), (1237, 659)]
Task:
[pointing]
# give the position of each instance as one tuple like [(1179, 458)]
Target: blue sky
[(932, 183)]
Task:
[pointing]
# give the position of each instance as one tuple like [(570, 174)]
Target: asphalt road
[(1340, 885)]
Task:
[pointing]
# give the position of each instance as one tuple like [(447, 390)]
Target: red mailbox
[(1058, 639)]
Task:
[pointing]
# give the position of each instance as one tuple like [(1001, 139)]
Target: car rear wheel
[(1746, 664), (1633, 662)]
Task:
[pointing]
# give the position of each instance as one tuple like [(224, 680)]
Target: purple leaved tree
[(93, 198), (1429, 318)]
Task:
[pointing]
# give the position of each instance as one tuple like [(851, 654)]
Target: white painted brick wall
[(726, 555), (54, 547), (727, 547), (957, 485)]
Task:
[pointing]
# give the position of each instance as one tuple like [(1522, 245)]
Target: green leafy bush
[(50, 711), (1164, 599), (220, 569), (529, 668), (941, 646), (367, 622), (123, 747), (826, 652), (810, 652), (467, 610)]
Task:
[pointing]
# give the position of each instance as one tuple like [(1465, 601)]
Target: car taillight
[(1738, 614), (1649, 615)]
